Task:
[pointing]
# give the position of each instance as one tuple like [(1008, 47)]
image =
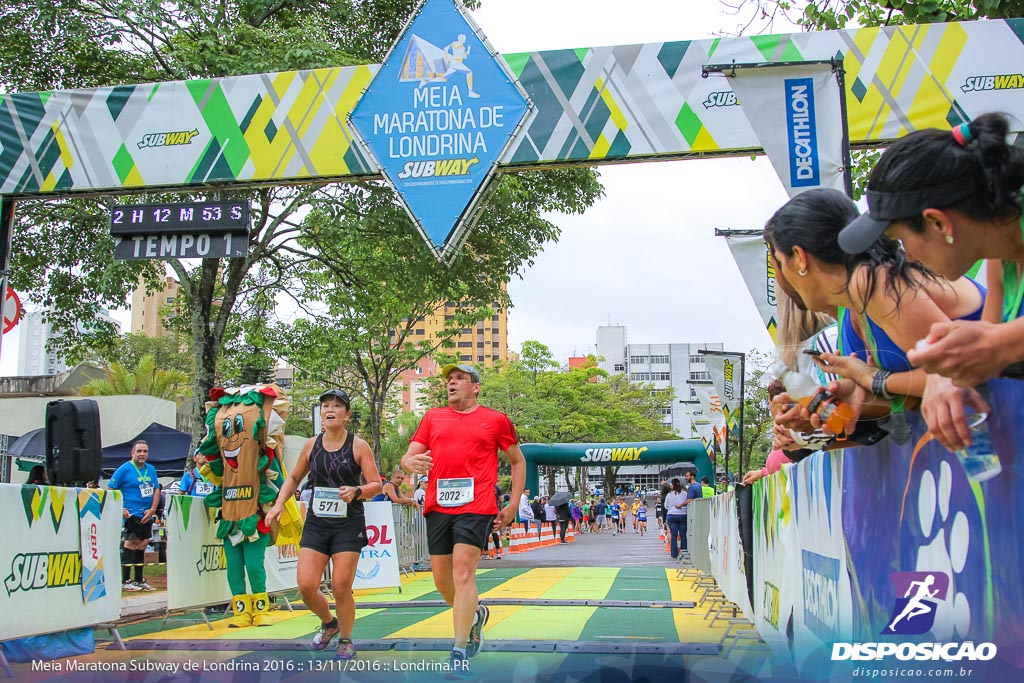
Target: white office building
[(661, 365), (34, 359)]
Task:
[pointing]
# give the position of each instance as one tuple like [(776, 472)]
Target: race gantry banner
[(41, 559), (593, 104), (796, 112), (712, 406), (755, 265)]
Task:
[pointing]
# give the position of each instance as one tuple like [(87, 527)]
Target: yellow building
[(146, 317), (482, 344)]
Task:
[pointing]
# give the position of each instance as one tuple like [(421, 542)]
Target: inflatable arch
[(612, 454)]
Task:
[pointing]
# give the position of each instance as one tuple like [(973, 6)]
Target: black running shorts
[(330, 537), (135, 530), (444, 531)]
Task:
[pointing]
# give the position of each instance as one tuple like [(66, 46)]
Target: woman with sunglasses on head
[(335, 527), (891, 301), (954, 198)]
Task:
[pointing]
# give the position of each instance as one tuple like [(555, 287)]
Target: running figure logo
[(427, 63), (914, 612)]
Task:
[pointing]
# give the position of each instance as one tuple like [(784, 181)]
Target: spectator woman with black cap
[(954, 198), (335, 528)]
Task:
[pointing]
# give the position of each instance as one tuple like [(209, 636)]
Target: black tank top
[(333, 469)]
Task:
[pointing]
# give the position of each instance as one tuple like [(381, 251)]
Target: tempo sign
[(165, 231)]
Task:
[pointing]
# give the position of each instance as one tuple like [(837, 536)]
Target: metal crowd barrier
[(412, 538)]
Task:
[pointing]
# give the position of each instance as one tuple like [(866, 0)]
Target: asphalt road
[(595, 550)]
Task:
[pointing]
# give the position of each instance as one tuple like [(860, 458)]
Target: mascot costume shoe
[(244, 446)]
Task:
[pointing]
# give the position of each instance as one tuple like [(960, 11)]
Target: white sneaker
[(130, 587), (143, 586)]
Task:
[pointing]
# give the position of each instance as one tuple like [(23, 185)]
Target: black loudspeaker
[(73, 451)]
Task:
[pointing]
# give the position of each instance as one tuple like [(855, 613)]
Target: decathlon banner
[(796, 112), (755, 265), (90, 510), (378, 561), (196, 566), (41, 560)]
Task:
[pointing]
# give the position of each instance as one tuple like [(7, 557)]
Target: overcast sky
[(645, 256)]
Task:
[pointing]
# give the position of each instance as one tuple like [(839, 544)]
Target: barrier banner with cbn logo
[(46, 581), (90, 509), (795, 112)]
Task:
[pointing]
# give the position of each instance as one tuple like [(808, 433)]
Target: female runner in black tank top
[(335, 528)]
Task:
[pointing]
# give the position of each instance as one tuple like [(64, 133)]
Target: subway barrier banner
[(41, 560), (90, 510), (777, 584), (826, 612), (196, 566), (725, 551), (378, 561), (698, 531), (755, 265), (795, 112)]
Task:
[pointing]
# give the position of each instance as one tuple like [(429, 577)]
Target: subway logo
[(34, 571), (998, 82)]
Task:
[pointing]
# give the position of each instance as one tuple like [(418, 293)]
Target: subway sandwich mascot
[(244, 446)]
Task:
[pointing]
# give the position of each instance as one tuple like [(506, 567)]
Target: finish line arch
[(613, 454)]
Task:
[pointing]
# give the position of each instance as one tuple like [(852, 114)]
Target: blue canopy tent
[(168, 449)]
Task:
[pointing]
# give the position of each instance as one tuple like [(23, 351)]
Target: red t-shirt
[(465, 445)]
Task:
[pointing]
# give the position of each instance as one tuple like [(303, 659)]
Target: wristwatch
[(878, 385), (359, 493)]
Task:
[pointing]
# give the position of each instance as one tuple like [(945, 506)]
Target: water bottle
[(835, 415), (980, 460)]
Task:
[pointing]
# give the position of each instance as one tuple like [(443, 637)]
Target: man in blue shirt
[(693, 490), (140, 491), (193, 483)]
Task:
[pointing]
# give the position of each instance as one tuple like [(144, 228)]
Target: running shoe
[(143, 586), (130, 587), (458, 667), (323, 636), (476, 634), (346, 649)]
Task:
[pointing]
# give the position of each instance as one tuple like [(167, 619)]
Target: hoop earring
[(949, 239), (802, 273)]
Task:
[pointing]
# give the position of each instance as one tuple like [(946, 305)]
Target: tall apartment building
[(662, 365), (146, 316), (34, 358)]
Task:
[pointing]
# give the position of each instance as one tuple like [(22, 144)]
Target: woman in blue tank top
[(901, 298), (954, 198)]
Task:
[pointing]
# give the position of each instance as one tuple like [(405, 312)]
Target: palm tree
[(145, 379)]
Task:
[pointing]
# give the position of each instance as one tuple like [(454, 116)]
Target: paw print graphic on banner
[(947, 536)]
